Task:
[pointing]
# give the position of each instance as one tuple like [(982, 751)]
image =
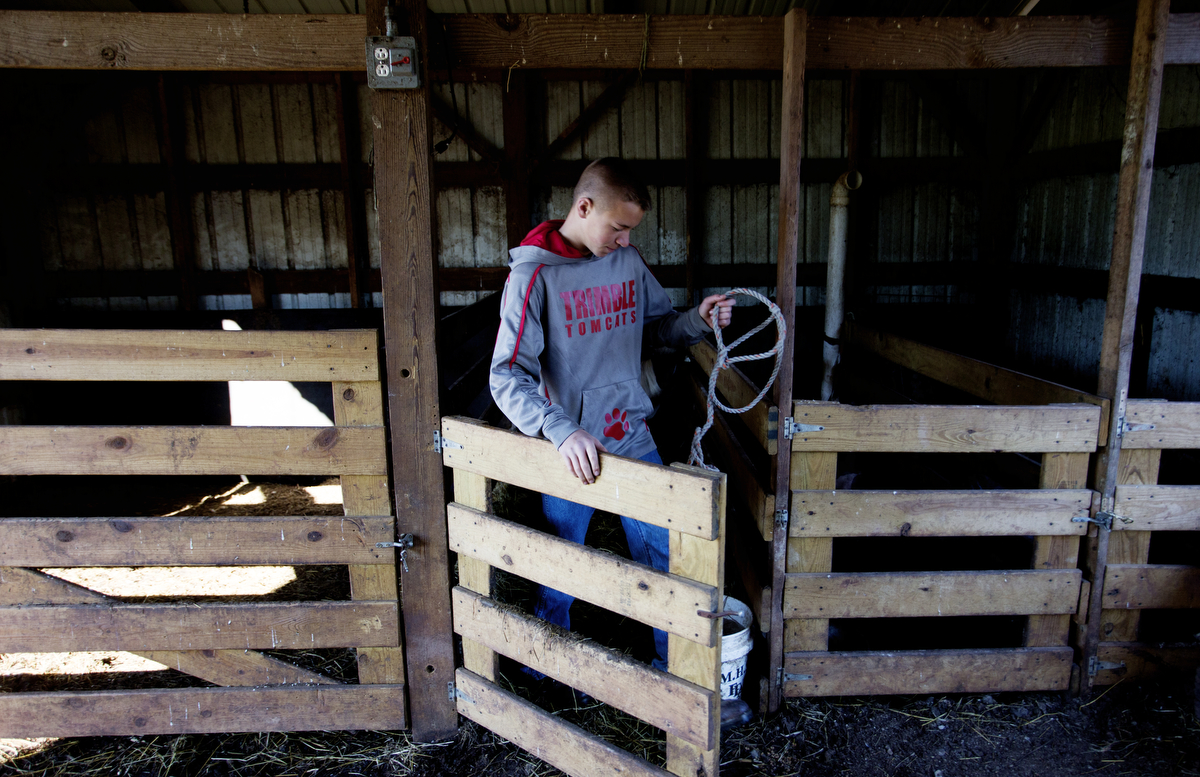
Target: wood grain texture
[(191, 450), (754, 493), (809, 471), (1158, 508), (1141, 660), (1136, 467), (474, 491), (361, 404), (928, 671), (193, 541), (1151, 586), (665, 601), (739, 391), (678, 707), (20, 587), (106, 41), (1063, 473), (554, 741), (684, 500), (937, 513), (254, 626), (947, 428), (1176, 425), (151, 355), (202, 711), (930, 594), (978, 378), (702, 561)]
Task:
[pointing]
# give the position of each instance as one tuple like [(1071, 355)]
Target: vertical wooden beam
[(179, 207), (516, 157), (795, 27), (1138, 467), (353, 206), (694, 139), (361, 404), (702, 561), (1059, 470), (475, 491), (815, 471), (404, 186), (1125, 272)]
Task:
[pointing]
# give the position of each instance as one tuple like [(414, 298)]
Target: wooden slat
[(676, 706), (664, 601), (361, 404), (554, 741), (937, 513), (1158, 508), (685, 501), (253, 626), (151, 355), (756, 497), (191, 450), (107, 41), (474, 491), (763, 419), (809, 471), (1061, 473), (978, 378), (699, 562), (1137, 467), (1151, 587), (203, 711), (21, 587), (947, 428), (927, 671), (1142, 660), (1176, 424), (193, 541), (927, 594)]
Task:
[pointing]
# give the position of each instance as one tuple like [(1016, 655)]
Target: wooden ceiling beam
[(299, 42)]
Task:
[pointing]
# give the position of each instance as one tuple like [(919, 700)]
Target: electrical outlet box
[(392, 63)]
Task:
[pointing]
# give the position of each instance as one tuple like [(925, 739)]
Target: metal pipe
[(839, 202)]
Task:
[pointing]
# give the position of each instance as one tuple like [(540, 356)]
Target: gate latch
[(1103, 518), (790, 427), (405, 542)]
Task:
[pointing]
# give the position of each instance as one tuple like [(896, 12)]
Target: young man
[(568, 356)]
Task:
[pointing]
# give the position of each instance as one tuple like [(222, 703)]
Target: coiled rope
[(724, 361)]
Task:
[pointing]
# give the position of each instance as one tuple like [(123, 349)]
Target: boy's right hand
[(580, 452)]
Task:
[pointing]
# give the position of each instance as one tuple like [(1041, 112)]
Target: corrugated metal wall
[(1068, 222)]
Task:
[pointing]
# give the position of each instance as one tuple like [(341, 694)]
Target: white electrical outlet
[(392, 63), (381, 53), (382, 70)]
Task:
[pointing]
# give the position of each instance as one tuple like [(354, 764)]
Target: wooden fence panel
[(148, 355), (622, 487), (1158, 508), (1171, 424), (194, 541), (192, 450), (947, 428), (204, 711), (1151, 586)]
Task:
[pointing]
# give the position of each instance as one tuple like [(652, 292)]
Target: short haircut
[(611, 179)]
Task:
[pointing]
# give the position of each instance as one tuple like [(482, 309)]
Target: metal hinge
[(456, 694), (1095, 666), (795, 678), (790, 427), (1128, 427), (440, 442), (1103, 518), (781, 519)]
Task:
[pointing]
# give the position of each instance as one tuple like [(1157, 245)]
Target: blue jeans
[(647, 544)]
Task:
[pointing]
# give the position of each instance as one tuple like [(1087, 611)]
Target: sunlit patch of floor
[(12, 749), (178, 581), (252, 497), (325, 495), (76, 663)]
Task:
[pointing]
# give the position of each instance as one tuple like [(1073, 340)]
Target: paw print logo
[(618, 424)]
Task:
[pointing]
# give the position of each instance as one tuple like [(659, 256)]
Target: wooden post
[(516, 157), (353, 206), (795, 31), (1059, 470), (1125, 275), (404, 189)]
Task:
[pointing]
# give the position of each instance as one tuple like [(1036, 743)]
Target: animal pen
[(248, 173)]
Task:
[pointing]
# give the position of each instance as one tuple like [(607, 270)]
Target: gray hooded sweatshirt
[(569, 352)]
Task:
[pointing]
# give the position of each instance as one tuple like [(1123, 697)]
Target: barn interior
[(977, 271)]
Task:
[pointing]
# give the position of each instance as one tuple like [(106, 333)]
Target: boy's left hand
[(719, 306)]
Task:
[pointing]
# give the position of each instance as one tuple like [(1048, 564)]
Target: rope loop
[(724, 361)]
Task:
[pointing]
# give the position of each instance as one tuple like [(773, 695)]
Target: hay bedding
[(1133, 729)]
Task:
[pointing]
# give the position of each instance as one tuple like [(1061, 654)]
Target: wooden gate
[(217, 642), (684, 702)]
